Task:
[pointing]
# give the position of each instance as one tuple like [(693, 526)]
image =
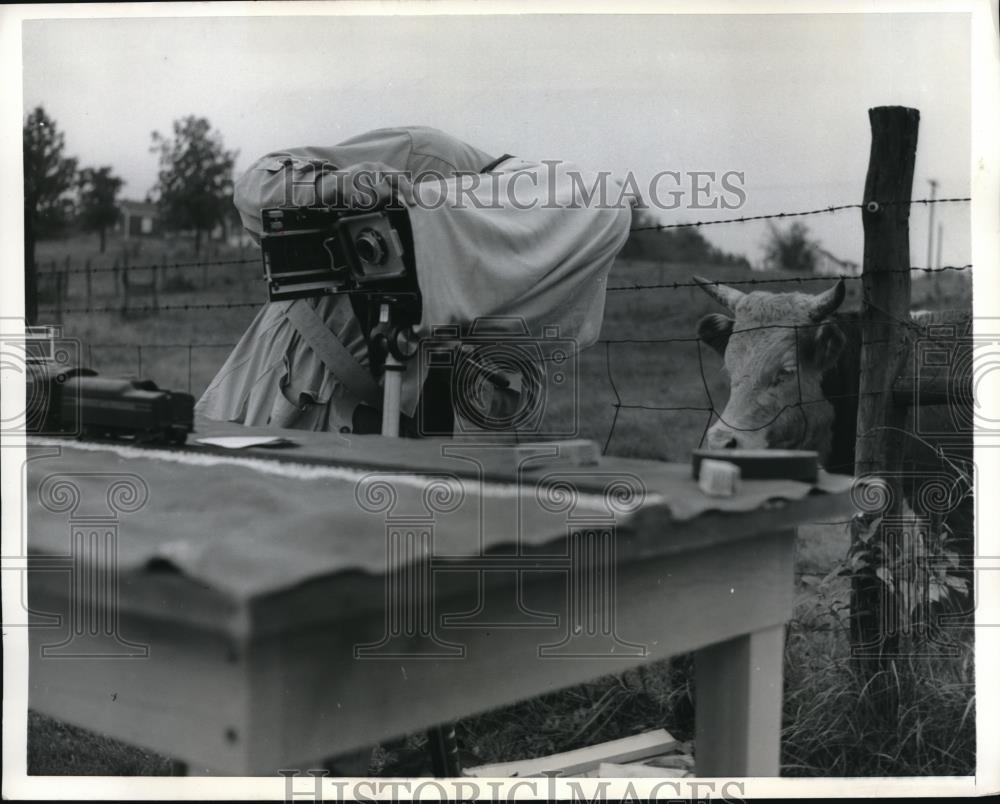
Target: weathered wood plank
[(186, 699), (938, 370), (573, 763), (934, 385), (290, 701), (738, 688), (286, 551), (613, 770), (319, 699)]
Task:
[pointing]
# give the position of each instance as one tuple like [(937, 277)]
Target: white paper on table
[(241, 442)]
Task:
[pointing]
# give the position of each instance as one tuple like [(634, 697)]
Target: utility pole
[(930, 225)]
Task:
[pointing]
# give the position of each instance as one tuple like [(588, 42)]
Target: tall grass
[(835, 724)]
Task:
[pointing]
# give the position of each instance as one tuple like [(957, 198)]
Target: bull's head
[(775, 348)]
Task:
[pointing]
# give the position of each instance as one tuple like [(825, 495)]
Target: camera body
[(317, 251)]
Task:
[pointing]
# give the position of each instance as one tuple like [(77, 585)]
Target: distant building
[(138, 219), (827, 264)]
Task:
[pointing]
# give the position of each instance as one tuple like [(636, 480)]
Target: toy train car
[(69, 401)]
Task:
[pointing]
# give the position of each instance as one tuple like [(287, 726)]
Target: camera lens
[(370, 247)]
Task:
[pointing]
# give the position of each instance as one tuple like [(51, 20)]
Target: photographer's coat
[(519, 241)]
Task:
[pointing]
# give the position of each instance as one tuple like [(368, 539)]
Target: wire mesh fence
[(190, 363)]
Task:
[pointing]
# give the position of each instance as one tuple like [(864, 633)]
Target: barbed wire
[(782, 280), (124, 266), (146, 266), (797, 214), (191, 345), (155, 308), (615, 288)]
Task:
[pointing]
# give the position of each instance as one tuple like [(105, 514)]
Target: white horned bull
[(793, 363), (776, 348)]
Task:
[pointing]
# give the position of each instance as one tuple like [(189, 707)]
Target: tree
[(98, 188), (48, 177), (791, 249), (195, 182)]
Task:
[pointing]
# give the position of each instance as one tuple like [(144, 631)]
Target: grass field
[(830, 728)]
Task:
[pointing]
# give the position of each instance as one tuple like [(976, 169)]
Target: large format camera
[(317, 251)]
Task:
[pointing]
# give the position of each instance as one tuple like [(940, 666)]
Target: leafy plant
[(917, 570)]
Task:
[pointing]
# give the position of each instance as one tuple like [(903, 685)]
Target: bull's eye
[(781, 375)]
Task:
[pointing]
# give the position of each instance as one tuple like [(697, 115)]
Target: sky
[(781, 98)]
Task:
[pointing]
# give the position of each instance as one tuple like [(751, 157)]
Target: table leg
[(443, 748), (738, 702)]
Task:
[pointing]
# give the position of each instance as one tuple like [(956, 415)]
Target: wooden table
[(253, 612)]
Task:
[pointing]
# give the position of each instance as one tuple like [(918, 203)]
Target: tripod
[(393, 343)]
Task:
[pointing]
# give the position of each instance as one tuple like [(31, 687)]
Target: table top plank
[(224, 539)]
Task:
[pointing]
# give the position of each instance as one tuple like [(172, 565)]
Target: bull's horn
[(828, 301), (726, 296)]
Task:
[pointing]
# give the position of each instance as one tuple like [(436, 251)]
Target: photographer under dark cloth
[(272, 377), (545, 266)]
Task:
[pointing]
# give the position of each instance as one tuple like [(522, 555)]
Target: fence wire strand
[(126, 267), (797, 214), (780, 281), (614, 288)]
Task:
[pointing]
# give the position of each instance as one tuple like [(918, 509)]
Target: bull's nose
[(722, 438)]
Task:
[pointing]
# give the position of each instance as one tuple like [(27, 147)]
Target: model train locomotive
[(71, 401)]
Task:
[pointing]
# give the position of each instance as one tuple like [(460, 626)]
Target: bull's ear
[(826, 345), (714, 329)]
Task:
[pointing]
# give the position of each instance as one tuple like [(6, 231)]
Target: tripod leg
[(443, 747), (392, 387)]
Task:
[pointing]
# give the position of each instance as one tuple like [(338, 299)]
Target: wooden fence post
[(156, 300), (58, 277), (125, 281), (884, 352), (89, 278), (55, 287), (66, 275)]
